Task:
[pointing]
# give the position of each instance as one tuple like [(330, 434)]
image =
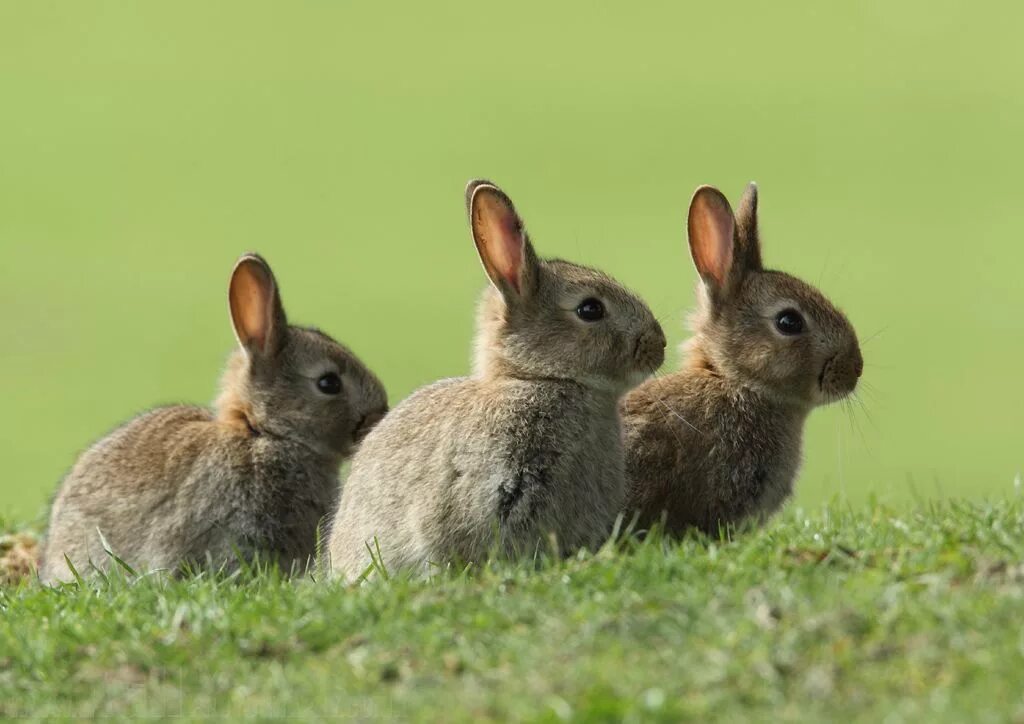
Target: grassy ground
[(864, 615)]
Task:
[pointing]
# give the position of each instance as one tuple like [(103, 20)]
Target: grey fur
[(187, 484), (526, 450), (718, 442)]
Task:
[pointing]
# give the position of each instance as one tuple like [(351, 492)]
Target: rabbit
[(186, 486), (525, 452), (718, 443)]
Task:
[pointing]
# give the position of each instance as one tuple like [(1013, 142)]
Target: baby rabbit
[(186, 484), (530, 445), (718, 442)]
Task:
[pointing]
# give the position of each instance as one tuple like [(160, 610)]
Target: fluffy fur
[(255, 474), (718, 442), (527, 450)]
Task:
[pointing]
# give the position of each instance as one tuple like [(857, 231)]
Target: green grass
[(867, 615), (143, 146)]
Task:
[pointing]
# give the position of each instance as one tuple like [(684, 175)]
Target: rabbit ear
[(256, 310), (747, 237), (501, 240), (711, 231)]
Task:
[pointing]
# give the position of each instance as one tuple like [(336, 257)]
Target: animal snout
[(852, 367), (367, 423), (840, 374), (858, 364), (649, 352)]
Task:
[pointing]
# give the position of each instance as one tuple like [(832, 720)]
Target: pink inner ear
[(711, 228), (499, 239), (250, 305)]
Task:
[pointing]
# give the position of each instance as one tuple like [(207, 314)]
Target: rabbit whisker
[(860, 401), (676, 414), (674, 312), (873, 336), (855, 425), (868, 389), (839, 459), (665, 415), (824, 265), (860, 429), (848, 410)]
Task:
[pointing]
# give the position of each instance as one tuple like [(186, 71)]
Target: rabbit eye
[(329, 384), (789, 322), (590, 310)]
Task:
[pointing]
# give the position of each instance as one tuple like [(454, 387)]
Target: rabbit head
[(290, 382), (552, 318), (769, 330)]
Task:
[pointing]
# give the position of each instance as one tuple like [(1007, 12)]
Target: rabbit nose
[(367, 423), (858, 364), (650, 347), (661, 341)]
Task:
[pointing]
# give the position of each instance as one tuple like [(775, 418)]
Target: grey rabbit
[(526, 449), (718, 442), (256, 474)]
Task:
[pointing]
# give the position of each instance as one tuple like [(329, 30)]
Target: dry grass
[(19, 554)]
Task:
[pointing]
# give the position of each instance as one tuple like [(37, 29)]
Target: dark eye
[(590, 310), (789, 322), (329, 384)]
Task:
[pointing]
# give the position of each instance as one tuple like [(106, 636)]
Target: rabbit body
[(256, 474), (235, 495), (524, 455), (511, 461), (718, 443), (731, 455)]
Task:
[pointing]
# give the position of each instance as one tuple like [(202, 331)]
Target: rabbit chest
[(753, 459)]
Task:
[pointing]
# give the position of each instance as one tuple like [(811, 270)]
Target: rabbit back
[(174, 485), (718, 443), (484, 466)]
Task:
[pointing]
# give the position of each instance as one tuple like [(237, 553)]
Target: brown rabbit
[(530, 445), (718, 442), (186, 484)]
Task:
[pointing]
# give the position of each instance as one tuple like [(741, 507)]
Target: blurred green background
[(143, 146)]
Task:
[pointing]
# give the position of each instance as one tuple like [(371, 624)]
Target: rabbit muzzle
[(839, 376), (649, 350), (367, 423)]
